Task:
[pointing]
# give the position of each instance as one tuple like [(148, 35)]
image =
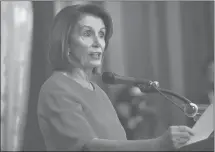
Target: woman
[(74, 113)]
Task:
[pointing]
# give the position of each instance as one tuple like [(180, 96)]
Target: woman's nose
[(96, 43)]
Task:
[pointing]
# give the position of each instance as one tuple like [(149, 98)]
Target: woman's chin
[(94, 64)]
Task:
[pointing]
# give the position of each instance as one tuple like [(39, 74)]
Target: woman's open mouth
[(95, 55)]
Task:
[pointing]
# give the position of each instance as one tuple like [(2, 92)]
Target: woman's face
[(88, 41)]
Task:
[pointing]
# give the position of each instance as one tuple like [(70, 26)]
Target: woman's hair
[(62, 28)]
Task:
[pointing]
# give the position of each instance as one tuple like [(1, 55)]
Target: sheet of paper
[(203, 127)]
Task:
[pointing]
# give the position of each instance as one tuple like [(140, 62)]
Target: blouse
[(70, 115)]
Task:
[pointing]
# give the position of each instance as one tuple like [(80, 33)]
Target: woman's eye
[(101, 34), (87, 33)]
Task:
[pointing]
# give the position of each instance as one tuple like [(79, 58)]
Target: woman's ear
[(69, 55), (72, 59)]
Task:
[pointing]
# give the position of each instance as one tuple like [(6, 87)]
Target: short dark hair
[(63, 24)]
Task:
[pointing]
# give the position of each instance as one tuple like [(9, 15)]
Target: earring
[(69, 53)]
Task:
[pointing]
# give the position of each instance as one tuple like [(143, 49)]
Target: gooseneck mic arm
[(190, 109)]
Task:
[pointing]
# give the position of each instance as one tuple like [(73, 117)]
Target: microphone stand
[(153, 87)]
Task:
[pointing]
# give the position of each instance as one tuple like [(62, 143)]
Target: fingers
[(177, 136), (186, 129), (181, 129), (180, 138), (181, 135), (178, 141)]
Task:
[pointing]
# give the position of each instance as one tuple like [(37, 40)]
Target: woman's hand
[(175, 137)]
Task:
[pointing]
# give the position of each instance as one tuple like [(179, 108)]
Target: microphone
[(112, 78)]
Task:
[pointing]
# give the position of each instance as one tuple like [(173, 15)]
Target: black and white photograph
[(79, 75)]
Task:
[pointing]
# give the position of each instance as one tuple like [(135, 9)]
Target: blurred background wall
[(171, 42)]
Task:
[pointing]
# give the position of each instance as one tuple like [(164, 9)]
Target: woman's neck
[(80, 74)]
